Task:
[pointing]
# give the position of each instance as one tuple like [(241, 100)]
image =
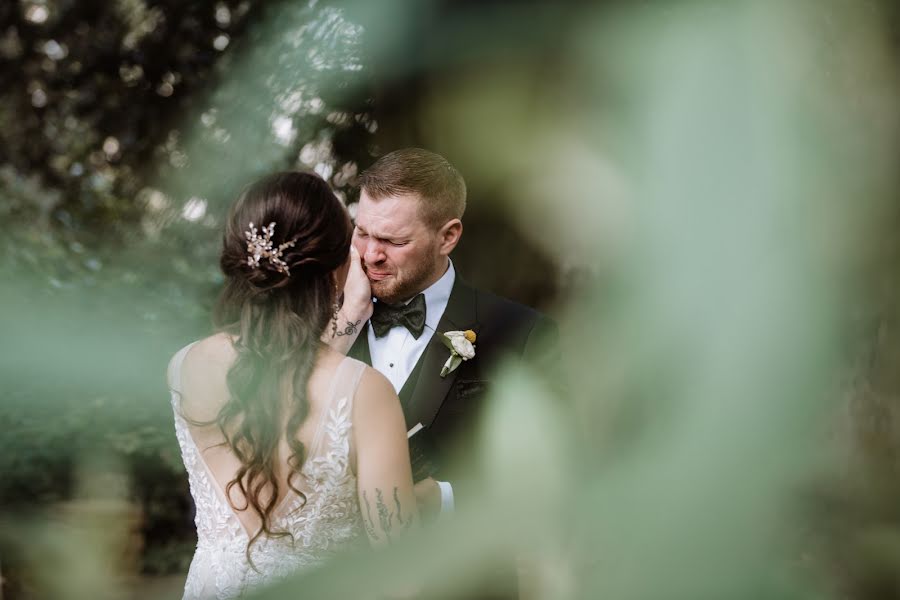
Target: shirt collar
[(437, 295)]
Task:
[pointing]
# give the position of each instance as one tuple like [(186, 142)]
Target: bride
[(294, 452)]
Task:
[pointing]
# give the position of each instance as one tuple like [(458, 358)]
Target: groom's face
[(401, 255)]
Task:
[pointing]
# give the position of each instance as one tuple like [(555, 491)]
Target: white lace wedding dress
[(328, 522)]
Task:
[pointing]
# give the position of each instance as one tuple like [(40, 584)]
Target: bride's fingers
[(357, 290), (356, 259), (356, 267)]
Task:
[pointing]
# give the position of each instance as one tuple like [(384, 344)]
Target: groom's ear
[(449, 236)]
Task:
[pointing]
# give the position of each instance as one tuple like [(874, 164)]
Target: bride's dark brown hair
[(276, 320)]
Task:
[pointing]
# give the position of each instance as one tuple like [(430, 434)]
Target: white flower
[(461, 346)]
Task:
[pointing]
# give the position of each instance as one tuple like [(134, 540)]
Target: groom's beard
[(396, 288)]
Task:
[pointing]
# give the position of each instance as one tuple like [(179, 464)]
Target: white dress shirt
[(395, 355)]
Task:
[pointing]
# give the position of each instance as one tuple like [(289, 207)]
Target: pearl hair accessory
[(259, 246)]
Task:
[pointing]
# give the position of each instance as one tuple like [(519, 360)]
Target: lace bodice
[(329, 521)]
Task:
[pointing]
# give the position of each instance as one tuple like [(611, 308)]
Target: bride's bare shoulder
[(203, 376), (215, 350)]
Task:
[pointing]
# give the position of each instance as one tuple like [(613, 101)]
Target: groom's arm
[(434, 498), (534, 340), (537, 346)]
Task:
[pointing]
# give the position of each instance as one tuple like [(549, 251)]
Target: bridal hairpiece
[(259, 246)]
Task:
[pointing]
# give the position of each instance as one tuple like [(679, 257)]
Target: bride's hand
[(357, 291), (355, 310)]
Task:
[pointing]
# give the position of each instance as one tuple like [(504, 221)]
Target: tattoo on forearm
[(404, 525), (387, 519), (397, 502), (384, 516), (367, 518), (350, 329)]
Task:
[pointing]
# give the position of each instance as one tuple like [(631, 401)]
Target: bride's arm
[(384, 475), (355, 309), (342, 332)]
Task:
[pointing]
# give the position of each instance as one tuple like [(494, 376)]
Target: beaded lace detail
[(328, 522)]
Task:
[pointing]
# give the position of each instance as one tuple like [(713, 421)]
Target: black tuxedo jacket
[(449, 407)]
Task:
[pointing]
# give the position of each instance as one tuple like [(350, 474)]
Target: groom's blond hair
[(440, 187)]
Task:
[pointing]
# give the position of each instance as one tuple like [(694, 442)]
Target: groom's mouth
[(377, 276)]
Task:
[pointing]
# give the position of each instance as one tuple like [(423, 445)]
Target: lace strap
[(339, 406), (174, 371), (346, 380)]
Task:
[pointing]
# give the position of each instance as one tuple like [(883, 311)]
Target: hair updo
[(304, 211), (276, 312)]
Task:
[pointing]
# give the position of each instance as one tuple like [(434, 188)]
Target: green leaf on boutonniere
[(451, 364), (446, 341)]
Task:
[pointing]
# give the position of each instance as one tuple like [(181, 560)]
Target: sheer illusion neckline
[(291, 496)]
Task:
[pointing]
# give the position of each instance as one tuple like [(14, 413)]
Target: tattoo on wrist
[(350, 329)]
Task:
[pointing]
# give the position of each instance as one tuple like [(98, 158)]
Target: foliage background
[(127, 127)]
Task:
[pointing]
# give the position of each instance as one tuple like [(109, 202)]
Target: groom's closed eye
[(363, 235)]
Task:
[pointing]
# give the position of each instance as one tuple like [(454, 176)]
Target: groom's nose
[(374, 253)]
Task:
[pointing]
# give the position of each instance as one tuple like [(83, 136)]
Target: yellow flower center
[(470, 335)]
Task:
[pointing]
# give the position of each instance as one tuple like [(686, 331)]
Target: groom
[(407, 223)]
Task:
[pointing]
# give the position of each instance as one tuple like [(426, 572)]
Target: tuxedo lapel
[(431, 389), (360, 348)]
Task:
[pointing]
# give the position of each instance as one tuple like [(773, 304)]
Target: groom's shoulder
[(513, 328), (511, 317), (492, 305)]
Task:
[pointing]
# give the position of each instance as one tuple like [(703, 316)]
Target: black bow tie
[(410, 315)]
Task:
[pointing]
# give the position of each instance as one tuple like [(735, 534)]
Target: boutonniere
[(461, 346)]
